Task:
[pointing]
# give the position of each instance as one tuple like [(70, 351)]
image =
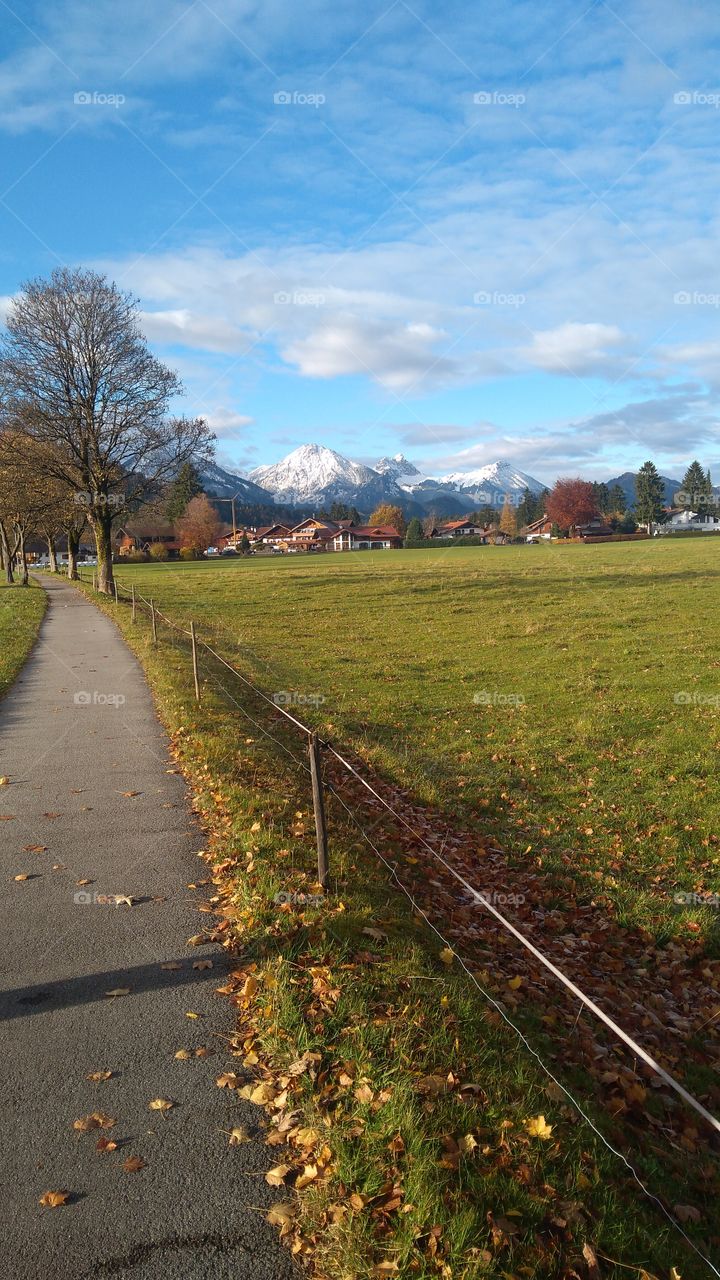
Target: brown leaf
[(133, 1164), (171, 964), (105, 1144), (276, 1177), (34, 848), (160, 1104), (229, 1080), (53, 1199), (686, 1213), (202, 964), (99, 1075), (119, 991), (238, 1135)]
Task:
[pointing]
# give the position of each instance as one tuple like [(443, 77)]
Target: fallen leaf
[(23, 876), (35, 848), (192, 1015), (686, 1213), (308, 1175), (514, 983), (171, 964), (182, 1054), (118, 991), (537, 1127), (447, 956), (228, 1081), (98, 1120), (238, 1135), (133, 1164), (105, 1144), (198, 940), (202, 964), (281, 1215), (4, 782), (130, 794), (160, 1104), (276, 1177), (51, 1199), (364, 1093), (99, 1075)]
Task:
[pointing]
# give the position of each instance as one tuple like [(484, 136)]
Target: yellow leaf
[(537, 1127), (514, 983), (160, 1104), (281, 1215), (5, 782), (310, 1172), (228, 1081), (192, 1015), (99, 1075), (275, 1177), (447, 956), (22, 877), (182, 1054)]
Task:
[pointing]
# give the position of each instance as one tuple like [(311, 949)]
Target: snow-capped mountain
[(314, 475), (497, 476), (220, 483), (401, 470)]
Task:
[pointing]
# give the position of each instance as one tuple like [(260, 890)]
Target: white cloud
[(575, 348)]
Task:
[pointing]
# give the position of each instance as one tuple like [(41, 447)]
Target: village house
[(142, 539), (460, 529), (541, 528), (681, 521), (364, 538)]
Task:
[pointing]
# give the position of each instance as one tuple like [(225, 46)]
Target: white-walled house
[(681, 520)]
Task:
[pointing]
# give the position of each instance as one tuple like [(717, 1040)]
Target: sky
[(462, 232)]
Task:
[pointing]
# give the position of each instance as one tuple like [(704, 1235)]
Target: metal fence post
[(319, 807), (132, 593), (195, 661), (154, 623)]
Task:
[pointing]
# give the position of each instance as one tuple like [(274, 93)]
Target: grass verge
[(21, 611)]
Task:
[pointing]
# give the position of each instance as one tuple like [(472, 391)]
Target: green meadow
[(21, 612), (564, 700)]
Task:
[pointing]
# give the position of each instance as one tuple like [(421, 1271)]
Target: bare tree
[(25, 501), (77, 373)]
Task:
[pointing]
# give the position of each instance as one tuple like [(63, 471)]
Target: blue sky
[(463, 232)]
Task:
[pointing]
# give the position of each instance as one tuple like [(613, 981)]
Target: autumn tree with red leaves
[(200, 527), (571, 503)]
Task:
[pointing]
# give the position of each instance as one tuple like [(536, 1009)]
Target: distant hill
[(627, 483)]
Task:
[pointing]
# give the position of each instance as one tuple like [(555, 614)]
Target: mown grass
[(476, 1194), (21, 612), (592, 758)]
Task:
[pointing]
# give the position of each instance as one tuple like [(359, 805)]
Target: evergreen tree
[(414, 536), (649, 496), (184, 488), (601, 493), (244, 544), (526, 509), (696, 490), (617, 503)]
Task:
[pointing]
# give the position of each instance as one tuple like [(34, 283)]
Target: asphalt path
[(90, 778)]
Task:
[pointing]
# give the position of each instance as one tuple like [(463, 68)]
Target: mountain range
[(314, 476)]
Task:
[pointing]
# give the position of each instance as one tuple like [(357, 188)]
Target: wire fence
[(317, 748)]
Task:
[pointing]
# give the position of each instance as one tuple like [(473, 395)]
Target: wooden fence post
[(116, 589), (154, 623), (132, 592), (94, 581), (195, 661), (319, 807)]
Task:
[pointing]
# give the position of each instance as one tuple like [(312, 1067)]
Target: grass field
[(565, 700), (21, 612), (579, 764)]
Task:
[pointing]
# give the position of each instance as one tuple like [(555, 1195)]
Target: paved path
[(189, 1213)]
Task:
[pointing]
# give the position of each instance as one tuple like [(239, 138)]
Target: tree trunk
[(73, 547), (52, 553), (101, 522), (6, 556), (24, 575)]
